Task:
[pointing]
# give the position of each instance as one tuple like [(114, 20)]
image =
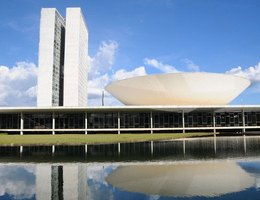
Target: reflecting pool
[(212, 168)]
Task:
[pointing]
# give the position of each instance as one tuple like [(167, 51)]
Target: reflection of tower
[(75, 183), (56, 182), (49, 182), (61, 182), (43, 182)]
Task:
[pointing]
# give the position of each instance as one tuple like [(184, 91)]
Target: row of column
[(118, 128), (151, 146)]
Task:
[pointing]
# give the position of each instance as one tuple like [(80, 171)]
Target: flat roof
[(220, 108)]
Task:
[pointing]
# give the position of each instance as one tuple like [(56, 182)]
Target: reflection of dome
[(179, 89), (182, 180)]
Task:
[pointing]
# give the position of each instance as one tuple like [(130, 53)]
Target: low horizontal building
[(130, 119), (155, 103)]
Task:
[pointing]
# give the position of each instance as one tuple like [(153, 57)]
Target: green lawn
[(89, 139)]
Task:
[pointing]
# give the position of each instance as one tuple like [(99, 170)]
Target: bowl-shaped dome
[(207, 179), (178, 89)]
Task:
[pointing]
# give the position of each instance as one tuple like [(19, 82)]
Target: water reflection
[(17, 182), (61, 181), (185, 149), (182, 180), (215, 168), (219, 179)]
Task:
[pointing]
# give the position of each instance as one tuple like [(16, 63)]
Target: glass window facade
[(198, 119), (135, 120), (128, 120), (10, 121), (37, 120), (102, 120), (69, 120), (252, 118), (227, 119), (167, 120)]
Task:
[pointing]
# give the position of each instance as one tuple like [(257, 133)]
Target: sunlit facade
[(63, 53), (173, 102), (134, 119)]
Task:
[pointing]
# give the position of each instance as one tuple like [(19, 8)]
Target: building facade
[(130, 119), (75, 70), (62, 77), (51, 58)]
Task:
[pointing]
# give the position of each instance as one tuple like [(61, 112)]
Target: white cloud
[(97, 85), (123, 74), (31, 92), (17, 181), (104, 58), (99, 189), (17, 84), (160, 66), (98, 75), (252, 73), (191, 65)]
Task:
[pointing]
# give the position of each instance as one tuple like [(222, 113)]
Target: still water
[(205, 168)]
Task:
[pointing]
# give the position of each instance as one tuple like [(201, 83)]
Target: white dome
[(206, 179), (179, 89)]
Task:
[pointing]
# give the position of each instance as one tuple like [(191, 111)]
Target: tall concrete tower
[(75, 70), (63, 52), (51, 58)]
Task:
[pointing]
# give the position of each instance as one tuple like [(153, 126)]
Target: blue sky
[(136, 37)]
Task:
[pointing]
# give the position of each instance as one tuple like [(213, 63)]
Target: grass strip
[(76, 139)]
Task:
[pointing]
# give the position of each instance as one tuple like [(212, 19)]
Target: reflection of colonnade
[(213, 144), (61, 182)]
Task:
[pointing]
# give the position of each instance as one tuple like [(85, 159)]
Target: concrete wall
[(75, 69)]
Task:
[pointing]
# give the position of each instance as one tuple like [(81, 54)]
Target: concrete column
[(183, 147), (151, 121), (118, 122), (53, 150), (214, 122), (22, 123), (243, 120), (86, 149), (119, 148), (86, 123), (21, 150), (151, 148), (183, 122), (53, 123), (244, 144), (215, 144)]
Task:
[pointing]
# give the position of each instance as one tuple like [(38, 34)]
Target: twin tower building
[(63, 59)]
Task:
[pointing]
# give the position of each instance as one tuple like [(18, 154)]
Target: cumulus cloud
[(159, 65), (99, 189), (98, 76), (104, 58), (31, 92), (191, 65), (17, 84), (17, 181), (252, 73), (123, 74), (97, 85)]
